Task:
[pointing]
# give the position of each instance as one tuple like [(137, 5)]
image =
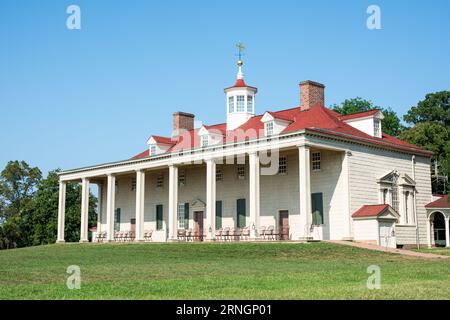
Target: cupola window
[(240, 104), (231, 104), (250, 104)]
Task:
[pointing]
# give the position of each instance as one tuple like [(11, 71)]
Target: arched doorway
[(438, 229)]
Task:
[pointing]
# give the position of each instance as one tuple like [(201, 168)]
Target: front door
[(283, 225), (198, 225), (133, 228)]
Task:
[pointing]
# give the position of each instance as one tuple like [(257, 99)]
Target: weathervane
[(241, 48)]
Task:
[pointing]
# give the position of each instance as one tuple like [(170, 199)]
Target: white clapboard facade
[(304, 173)]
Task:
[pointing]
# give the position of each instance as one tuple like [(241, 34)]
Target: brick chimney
[(311, 93), (182, 121)]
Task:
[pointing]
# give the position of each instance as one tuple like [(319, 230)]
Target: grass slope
[(218, 271)]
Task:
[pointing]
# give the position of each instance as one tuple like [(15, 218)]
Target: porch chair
[(181, 235), (245, 235), (269, 232), (226, 234), (262, 232), (276, 234), (218, 234), (148, 235)]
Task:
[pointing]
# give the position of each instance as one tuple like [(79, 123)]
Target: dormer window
[(152, 150), (269, 128), (205, 140), (376, 128), (249, 103), (231, 104), (240, 104)]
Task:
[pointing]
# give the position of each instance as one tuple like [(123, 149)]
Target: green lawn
[(218, 271), (440, 250)]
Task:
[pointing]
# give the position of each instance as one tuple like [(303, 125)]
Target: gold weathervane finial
[(241, 48)]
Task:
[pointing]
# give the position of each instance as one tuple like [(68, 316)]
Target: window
[(231, 104), (182, 177), (269, 128), (160, 180), (240, 205), (250, 104), (205, 140), (385, 196), (219, 174), (316, 161), (317, 208), (376, 127), (240, 107), (117, 186), (282, 166), (406, 207), (159, 217), (152, 150), (117, 220), (394, 194), (183, 215), (218, 215), (241, 172), (133, 184)]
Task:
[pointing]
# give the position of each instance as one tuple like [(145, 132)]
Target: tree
[(18, 182), (29, 207), (43, 216), (391, 123), (430, 120), (435, 108)]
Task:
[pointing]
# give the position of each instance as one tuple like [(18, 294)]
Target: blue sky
[(71, 98)]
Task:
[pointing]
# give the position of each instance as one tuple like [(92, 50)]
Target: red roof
[(442, 202), (164, 140), (240, 83), (318, 119), (357, 115), (279, 116), (370, 211)]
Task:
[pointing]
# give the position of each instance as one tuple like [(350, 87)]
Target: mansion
[(305, 173)]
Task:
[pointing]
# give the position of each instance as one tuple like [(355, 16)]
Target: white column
[(140, 196), (84, 210), (348, 223), (254, 204), (110, 207), (99, 207), (447, 228), (428, 232), (210, 199), (173, 201), (305, 192), (61, 211)]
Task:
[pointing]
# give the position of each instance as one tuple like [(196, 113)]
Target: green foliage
[(391, 123), (18, 183), (435, 108), (431, 130), (30, 207)]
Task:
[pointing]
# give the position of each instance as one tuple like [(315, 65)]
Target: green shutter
[(218, 214), (159, 217), (117, 220), (241, 213), (317, 208), (186, 215)]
